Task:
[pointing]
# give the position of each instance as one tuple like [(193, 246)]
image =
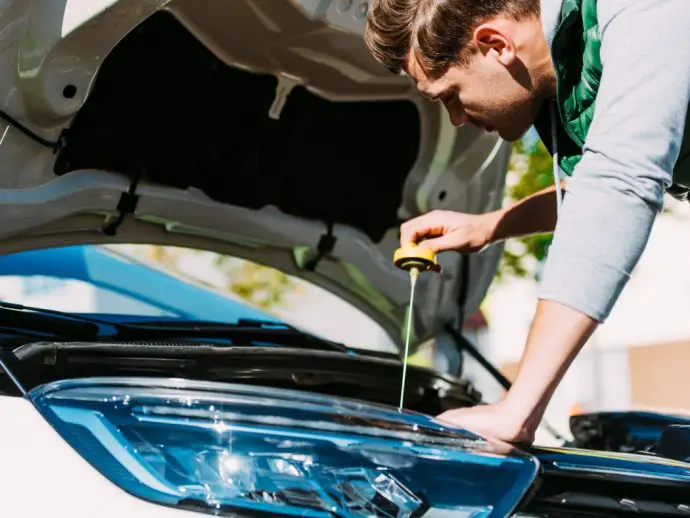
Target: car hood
[(257, 128)]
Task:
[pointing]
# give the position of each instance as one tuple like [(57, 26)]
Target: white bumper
[(42, 476)]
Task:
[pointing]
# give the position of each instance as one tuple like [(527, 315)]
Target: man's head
[(486, 60)]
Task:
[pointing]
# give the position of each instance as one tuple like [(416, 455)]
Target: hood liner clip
[(127, 205), (326, 246)]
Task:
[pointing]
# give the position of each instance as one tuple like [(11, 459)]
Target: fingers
[(423, 227), (440, 244)]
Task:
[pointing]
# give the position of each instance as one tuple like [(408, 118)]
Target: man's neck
[(542, 66), (550, 13)]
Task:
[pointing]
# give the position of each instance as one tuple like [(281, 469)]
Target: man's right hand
[(442, 230)]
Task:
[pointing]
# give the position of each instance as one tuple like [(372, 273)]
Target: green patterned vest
[(575, 53)]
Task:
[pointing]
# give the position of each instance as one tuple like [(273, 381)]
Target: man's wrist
[(523, 409), (493, 220), (557, 333)]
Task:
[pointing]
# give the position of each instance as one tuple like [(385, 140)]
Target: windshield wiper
[(242, 332), (78, 327), (52, 322)]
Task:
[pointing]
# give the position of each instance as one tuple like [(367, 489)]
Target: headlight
[(232, 449)]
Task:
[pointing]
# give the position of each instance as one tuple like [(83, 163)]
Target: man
[(607, 86)]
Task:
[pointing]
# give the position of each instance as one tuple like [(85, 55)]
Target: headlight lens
[(224, 448)]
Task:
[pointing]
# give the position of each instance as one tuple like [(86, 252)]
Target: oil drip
[(414, 275)]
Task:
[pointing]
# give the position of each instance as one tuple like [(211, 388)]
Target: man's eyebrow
[(431, 97), (424, 93), (421, 90)]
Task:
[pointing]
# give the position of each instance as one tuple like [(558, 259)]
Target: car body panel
[(58, 49), (32, 450), (613, 465)]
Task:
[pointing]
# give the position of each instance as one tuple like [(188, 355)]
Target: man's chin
[(511, 134)]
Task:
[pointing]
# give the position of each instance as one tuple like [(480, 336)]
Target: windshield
[(123, 283)]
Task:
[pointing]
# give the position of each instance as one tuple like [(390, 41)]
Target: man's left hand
[(495, 421), (558, 332)]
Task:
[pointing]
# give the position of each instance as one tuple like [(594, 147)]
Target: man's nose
[(458, 117)]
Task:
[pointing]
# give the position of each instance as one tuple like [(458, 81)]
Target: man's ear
[(492, 40)]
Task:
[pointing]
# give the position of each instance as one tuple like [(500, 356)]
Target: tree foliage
[(530, 171), (259, 285)]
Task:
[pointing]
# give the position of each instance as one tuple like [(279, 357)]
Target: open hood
[(257, 128)]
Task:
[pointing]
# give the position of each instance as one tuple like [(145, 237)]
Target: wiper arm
[(79, 327), (18, 316), (244, 330)]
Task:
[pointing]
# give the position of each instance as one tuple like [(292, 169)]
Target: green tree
[(530, 171), (259, 285)]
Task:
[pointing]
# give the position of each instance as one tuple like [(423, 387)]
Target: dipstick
[(414, 275)]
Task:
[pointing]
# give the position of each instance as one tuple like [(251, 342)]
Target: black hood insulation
[(165, 109)]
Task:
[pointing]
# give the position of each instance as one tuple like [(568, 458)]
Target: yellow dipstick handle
[(414, 256)]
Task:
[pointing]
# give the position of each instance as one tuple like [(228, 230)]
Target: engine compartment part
[(622, 431), (165, 109), (577, 483), (360, 376), (674, 443)]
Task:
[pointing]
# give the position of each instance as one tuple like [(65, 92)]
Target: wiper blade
[(79, 327), (49, 321), (255, 331)]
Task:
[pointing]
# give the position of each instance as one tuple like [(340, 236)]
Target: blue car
[(116, 286)]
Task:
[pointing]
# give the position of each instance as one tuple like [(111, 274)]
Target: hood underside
[(257, 128)]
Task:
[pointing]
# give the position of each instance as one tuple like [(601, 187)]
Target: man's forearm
[(556, 336), (535, 214)]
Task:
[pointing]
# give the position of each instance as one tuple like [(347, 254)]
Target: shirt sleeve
[(617, 188)]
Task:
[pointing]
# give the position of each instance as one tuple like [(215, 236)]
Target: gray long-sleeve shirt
[(634, 140)]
